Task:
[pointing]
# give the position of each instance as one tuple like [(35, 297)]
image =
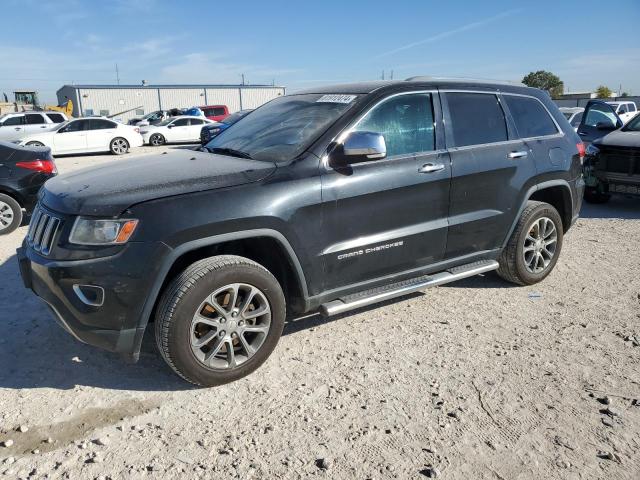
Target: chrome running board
[(380, 294)]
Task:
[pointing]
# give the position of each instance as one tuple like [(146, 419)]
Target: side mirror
[(170, 126), (359, 147), (605, 126)]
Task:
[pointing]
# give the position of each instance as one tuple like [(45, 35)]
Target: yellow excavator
[(66, 108)]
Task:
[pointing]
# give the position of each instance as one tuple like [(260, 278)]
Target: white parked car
[(85, 135), (14, 126), (177, 129), (625, 110), (573, 115)]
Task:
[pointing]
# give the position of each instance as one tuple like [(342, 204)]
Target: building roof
[(183, 86)]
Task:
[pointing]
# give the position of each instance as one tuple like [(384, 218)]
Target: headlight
[(102, 232), (592, 149)]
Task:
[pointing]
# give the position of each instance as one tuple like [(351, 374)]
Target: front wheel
[(219, 320), (10, 214), (593, 195), (35, 144), (119, 146), (157, 140), (534, 246)]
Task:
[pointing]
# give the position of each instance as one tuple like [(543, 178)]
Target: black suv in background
[(23, 170), (612, 163), (326, 200)]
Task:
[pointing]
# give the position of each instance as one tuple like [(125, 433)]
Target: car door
[(12, 128), (72, 137), (99, 133), (35, 123), (386, 216), (599, 118), (490, 165), (195, 126), (178, 130)]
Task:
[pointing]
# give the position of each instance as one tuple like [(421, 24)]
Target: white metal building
[(137, 100)]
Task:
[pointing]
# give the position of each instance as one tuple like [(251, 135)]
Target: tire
[(34, 144), (10, 214), (198, 351), (157, 140), (119, 146), (593, 195), (519, 260)]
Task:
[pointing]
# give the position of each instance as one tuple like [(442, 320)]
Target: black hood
[(109, 189), (620, 138)]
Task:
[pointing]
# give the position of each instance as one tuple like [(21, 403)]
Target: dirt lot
[(477, 379)]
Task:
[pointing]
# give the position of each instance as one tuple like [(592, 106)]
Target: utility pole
[(391, 78), (242, 79), (382, 77), (117, 75)]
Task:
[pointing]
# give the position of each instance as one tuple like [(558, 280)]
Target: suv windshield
[(633, 125), (283, 128)]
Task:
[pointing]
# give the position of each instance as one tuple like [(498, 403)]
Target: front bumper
[(127, 279)]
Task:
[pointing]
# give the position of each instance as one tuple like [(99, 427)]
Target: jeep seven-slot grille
[(42, 231)]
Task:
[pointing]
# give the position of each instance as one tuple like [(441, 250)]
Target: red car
[(215, 112)]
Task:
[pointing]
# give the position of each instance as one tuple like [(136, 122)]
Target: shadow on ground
[(620, 206)]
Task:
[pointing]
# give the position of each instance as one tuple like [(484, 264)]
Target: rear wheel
[(157, 140), (534, 246), (10, 214), (219, 320), (119, 146)]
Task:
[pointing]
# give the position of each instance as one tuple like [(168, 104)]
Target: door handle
[(519, 154), (431, 167), (18, 128), (582, 133), (43, 126)]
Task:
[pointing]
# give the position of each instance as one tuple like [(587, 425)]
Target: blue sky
[(44, 45)]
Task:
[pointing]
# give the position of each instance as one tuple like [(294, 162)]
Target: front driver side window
[(406, 121), (72, 127), (600, 113), (183, 122)]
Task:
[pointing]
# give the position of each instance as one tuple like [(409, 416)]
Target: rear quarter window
[(55, 117), (530, 117), (476, 118)]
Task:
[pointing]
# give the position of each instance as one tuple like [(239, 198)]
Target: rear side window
[(14, 121), (55, 117), (406, 121), (195, 121), (99, 124), (530, 117), (34, 119), (576, 120), (476, 118)]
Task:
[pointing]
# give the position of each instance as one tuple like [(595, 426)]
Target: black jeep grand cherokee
[(326, 200)]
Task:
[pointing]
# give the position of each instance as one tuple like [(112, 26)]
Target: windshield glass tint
[(233, 118), (283, 128), (633, 125)]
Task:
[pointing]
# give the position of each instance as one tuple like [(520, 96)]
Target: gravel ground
[(477, 379)]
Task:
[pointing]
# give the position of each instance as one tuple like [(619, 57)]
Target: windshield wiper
[(230, 151)]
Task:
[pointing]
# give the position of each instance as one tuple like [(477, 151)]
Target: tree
[(545, 81), (603, 92), (624, 94)]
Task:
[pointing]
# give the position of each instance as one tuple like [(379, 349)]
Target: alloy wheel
[(540, 245), (119, 146), (156, 140), (230, 326), (6, 215)]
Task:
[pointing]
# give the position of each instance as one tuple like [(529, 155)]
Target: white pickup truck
[(625, 110)]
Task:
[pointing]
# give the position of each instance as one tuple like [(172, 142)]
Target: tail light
[(42, 166), (581, 151)]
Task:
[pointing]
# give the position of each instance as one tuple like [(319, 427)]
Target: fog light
[(91, 295)]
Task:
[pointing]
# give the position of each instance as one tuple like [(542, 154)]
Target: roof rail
[(431, 78)]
